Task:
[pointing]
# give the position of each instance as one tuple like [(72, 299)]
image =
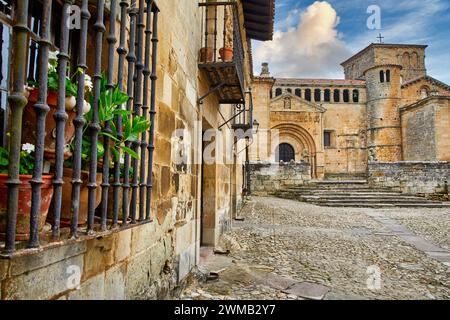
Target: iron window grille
[(34, 28)]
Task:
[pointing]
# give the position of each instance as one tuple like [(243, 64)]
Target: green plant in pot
[(32, 94), (24, 205), (110, 106)]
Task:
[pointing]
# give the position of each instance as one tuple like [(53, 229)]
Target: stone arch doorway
[(300, 140), (284, 152)]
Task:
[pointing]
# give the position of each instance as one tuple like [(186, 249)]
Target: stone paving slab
[(308, 290), (279, 282)]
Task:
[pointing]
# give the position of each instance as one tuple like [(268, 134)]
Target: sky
[(312, 38)]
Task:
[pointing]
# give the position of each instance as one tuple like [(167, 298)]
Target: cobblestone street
[(290, 250)]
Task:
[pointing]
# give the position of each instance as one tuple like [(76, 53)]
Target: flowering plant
[(26, 159), (53, 78)]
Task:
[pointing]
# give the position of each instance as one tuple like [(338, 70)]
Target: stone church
[(386, 110)]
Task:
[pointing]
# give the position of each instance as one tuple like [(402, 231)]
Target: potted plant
[(110, 107), (226, 53), (24, 204), (32, 94), (206, 54)]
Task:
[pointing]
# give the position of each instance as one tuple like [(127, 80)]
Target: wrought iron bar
[(94, 127), (17, 103), (41, 108), (79, 123), (122, 51), (153, 77), (131, 59), (144, 143), (60, 115), (111, 39), (137, 107)]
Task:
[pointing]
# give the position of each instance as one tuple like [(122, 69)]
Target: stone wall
[(269, 177), (132, 264), (411, 177)]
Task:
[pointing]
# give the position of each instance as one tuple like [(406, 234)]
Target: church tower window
[(327, 95), (278, 92), (382, 76), (308, 94), (298, 93), (317, 94), (337, 95), (355, 96), (388, 75), (346, 95), (289, 90)]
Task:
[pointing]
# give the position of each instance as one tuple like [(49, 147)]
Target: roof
[(429, 79), (382, 45), (289, 81), (259, 18)]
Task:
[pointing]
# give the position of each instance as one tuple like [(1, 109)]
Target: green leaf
[(102, 133), (130, 152)]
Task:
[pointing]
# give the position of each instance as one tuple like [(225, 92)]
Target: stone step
[(385, 205), (374, 200), (364, 198), (346, 193)]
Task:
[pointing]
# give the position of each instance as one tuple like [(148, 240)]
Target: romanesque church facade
[(386, 110)]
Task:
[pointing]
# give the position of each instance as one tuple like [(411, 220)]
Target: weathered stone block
[(43, 283), (3, 268), (143, 237), (92, 289), (115, 283), (99, 256), (137, 277), (122, 246), (28, 263)]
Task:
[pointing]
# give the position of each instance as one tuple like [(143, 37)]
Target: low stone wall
[(137, 263), (411, 177), (269, 177)]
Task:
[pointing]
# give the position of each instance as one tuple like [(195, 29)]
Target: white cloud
[(311, 49)]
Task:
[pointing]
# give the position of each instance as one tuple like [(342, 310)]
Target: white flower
[(122, 159), (53, 55), (28, 147), (88, 83), (86, 107), (51, 67)]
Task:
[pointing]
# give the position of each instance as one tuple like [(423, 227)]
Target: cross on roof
[(380, 38)]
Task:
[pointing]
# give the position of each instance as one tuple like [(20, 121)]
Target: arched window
[(289, 90), (298, 93), (327, 95), (337, 95), (285, 152), (308, 94), (382, 76), (355, 96), (406, 60), (346, 95), (414, 60), (317, 95), (388, 75), (278, 92)]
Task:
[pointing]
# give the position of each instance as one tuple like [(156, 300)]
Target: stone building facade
[(386, 110), (193, 202)]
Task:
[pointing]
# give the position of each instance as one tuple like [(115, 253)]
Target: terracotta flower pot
[(66, 201), (29, 123), (23, 214), (226, 54), (206, 55)]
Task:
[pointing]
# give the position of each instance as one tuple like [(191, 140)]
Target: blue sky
[(318, 35)]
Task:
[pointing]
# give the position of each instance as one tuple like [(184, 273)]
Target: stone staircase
[(355, 194)]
